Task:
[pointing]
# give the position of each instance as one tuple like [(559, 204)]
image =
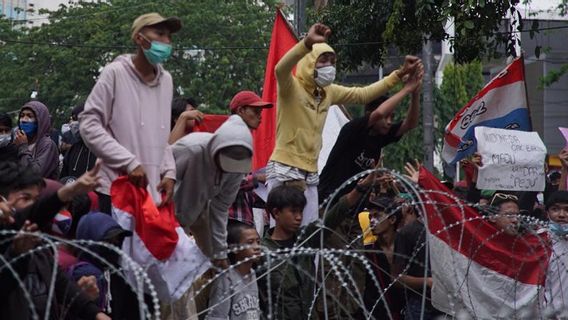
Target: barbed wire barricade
[(476, 269)]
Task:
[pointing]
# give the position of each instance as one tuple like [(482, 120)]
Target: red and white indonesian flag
[(171, 259), (475, 267), (502, 103)]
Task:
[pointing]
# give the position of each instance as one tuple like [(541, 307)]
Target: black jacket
[(78, 160), (36, 272)]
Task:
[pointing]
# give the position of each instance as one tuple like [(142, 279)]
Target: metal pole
[(301, 7), (427, 107)]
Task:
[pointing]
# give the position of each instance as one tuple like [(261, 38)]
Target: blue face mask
[(158, 52), (29, 128), (560, 229)]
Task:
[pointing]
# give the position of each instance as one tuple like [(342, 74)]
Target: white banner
[(512, 160), (335, 120)]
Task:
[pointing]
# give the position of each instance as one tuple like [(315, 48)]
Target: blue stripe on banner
[(517, 119)]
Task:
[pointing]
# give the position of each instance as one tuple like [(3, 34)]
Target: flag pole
[(291, 28), (522, 57)]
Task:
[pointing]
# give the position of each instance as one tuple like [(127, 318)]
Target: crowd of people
[(330, 246)]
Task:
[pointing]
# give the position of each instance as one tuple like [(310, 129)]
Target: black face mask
[(112, 258)]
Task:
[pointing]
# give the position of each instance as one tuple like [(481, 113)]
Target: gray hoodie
[(43, 153), (126, 123), (234, 297), (200, 181)]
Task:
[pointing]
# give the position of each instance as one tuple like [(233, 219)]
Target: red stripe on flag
[(452, 139), (283, 39), (511, 74), (523, 258), (156, 227)]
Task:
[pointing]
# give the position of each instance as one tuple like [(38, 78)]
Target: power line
[(111, 9), (78, 45)]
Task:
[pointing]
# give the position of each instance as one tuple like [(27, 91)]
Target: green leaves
[(220, 51)]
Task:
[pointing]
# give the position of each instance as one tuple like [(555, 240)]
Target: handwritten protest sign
[(564, 132), (512, 160)]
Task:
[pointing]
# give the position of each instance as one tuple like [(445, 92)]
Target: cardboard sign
[(512, 160), (564, 132)]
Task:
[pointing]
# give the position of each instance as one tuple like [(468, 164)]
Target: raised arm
[(414, 85), (318, 33), (364, 95)]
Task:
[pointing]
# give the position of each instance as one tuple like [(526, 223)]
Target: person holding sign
[(564, 173), (513, 160), (556, 286)]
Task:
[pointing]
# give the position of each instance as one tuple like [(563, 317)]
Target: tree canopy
[(220, 50), (405, 24)]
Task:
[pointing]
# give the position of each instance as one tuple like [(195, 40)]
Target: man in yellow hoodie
[(303, 102)]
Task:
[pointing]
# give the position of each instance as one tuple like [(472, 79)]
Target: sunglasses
[(503, 196)]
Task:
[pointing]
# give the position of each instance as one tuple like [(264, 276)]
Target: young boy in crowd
[(210, 168), (37, 269), (99, 227), (556, 286), (358, 146), (126, 121), (385, 219), (247, 105), (292, 278), (78, 158), (303, 102), (234, 294), (34, 125), (184, 116)]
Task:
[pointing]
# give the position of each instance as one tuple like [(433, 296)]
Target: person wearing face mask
[(8, 150), (79, 158), (359, 144), (556, 285), (126, 121), (303, 103), (32, 137)]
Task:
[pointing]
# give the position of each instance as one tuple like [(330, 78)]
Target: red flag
[(210, 123), (159, 245), (283, 39)]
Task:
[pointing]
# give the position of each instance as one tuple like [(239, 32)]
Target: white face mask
[(325, 76), (65, 128), (5, 140)]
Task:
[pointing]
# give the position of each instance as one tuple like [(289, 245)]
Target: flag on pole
[(475, 267), (170, 258), (283, 39), (502, 103)]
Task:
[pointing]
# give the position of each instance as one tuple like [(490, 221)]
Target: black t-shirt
[(410, 251), (286, 243), (354, 151), (382, 271)]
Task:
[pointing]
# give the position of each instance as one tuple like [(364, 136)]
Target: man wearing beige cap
[(126, 121)]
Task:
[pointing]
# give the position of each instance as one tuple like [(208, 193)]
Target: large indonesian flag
[(171, 259), (475, 267), (502, 103)]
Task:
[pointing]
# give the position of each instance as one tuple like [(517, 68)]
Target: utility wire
[(78, 45), (350, 44)]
